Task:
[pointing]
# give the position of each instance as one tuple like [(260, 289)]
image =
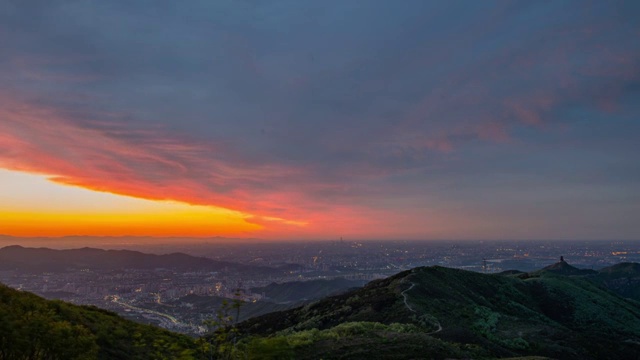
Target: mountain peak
[(560, 265), (564, 268)]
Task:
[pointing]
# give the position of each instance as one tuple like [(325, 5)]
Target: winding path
[(404, 295)]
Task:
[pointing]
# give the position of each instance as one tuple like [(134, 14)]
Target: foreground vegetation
[(35, 328)]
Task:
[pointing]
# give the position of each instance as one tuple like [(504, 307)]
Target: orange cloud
[(32, 206), (145, 164)]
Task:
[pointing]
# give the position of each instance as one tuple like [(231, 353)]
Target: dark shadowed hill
[(563, 268), (198, 304), (437, 312), (623, 279), (43, 259), (297, 291), (623, 269)]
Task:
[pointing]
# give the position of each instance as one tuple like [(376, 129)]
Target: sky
[(299, 119)]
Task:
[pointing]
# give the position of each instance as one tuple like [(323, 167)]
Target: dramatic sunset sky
[(307, 119)]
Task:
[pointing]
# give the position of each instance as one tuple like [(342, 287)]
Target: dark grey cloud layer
[(486, 110)]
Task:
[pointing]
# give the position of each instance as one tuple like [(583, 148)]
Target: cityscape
[(182, 300)]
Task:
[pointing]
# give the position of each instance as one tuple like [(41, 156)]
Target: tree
[(223, 332)]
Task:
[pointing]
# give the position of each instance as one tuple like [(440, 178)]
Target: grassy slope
[(481, 316)]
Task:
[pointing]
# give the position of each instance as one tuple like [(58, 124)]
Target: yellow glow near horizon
[(30, 205)]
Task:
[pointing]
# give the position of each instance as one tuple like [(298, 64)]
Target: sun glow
[(31, 205)]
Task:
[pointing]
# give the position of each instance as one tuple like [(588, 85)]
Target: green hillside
[(35, 328), (425, 313), (437, 312)]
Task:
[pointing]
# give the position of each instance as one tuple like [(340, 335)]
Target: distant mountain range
[(48, 260)]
